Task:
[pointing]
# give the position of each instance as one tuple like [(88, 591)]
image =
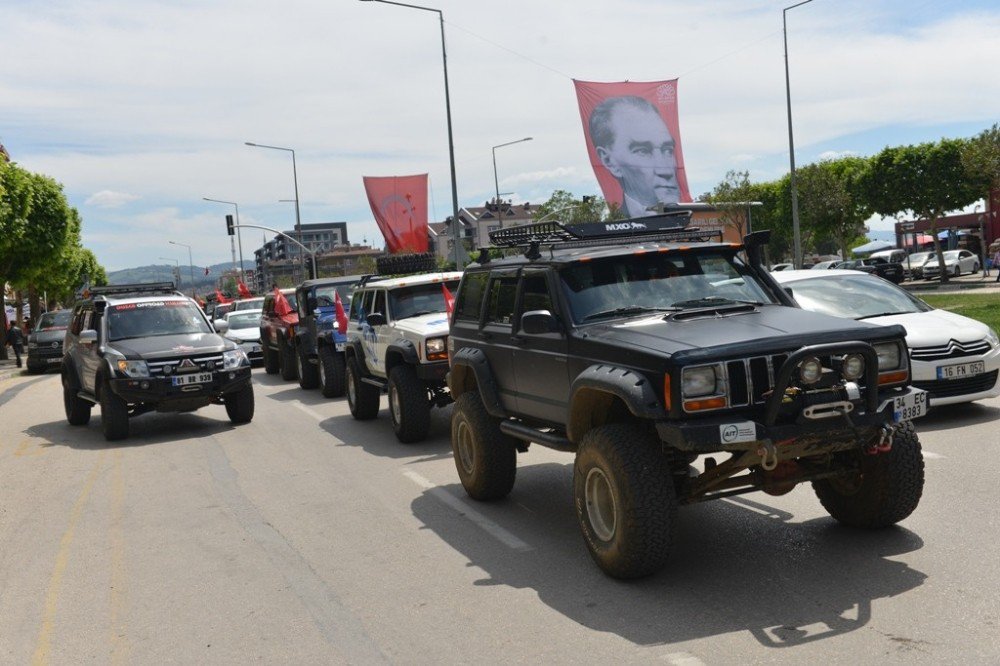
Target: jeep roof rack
[(666, 227), (140, 289)]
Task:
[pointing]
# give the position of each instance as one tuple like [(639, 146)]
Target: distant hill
[(165, 273)]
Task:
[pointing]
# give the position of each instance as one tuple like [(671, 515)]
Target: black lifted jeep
[(144, 347), (644, 347), (319, 343)]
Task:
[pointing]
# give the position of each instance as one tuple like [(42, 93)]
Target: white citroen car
[(954, 358)]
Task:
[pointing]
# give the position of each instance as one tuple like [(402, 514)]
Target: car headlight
[(992, 338), (436, 348), (234, 358), (32, 345), (889, 357), (700, 381), (133, 369), (810, 370), (852, 366)]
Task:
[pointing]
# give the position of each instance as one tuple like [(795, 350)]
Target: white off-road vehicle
[(397, 341)]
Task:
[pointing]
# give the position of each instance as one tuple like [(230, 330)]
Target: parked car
[(255, 303), (953, 358), (893, 256), (45, 341), (824, 265), (782, 267), (956, 262), (243, 328), (893, 272), (913, 265)]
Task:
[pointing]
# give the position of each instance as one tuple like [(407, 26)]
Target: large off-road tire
[(289, 362), (114, 415), (331, 372), (77, 409), (486, 458), (272, 363), (308, 372), (409, 405), (240, 405), (625, 500), (886, 488), (362, 398)]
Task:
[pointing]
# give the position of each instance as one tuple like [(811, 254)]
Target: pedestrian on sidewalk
[(15, 338), (996, 263)]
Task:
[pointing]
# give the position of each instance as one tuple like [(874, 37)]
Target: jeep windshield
[(151, 318), (325, 296), (629, 285), (419, 299)]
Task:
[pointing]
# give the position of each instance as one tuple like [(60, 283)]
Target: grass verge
[(981, 307)]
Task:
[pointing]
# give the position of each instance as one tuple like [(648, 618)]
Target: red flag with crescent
[(399, 204)]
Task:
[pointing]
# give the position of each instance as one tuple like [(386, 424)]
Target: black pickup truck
[(678, 371), (892, 271)]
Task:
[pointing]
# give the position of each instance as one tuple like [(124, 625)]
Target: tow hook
[(884, 443), (767, 451)]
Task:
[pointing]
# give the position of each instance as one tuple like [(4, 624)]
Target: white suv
[(397, 341)]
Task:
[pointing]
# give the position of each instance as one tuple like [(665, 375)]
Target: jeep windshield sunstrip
[(678, 371)]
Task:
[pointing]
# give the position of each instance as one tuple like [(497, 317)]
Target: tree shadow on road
[(736, 565), (377, 438)]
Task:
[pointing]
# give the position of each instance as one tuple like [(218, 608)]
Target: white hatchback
[(954, 358)]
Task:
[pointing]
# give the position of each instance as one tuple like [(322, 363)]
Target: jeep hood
[(170, 346), (712, 334), (428, 325)]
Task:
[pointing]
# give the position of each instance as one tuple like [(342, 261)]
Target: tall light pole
[(190, 262), (295, 180), (456, 234), (496, 181), (239, 237), (177, 269), (796, 234)]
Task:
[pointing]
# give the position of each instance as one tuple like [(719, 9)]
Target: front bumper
[(44, 357), (924, 375), (435, 371), (161, 393), (729, 433)]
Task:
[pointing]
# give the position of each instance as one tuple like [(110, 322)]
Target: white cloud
[(836, 154), (109, 199)]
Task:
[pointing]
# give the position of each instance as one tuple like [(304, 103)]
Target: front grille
[(954, 349), (204, 362), (750, 379), (949, 388)]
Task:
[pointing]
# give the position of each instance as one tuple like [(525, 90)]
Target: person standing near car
[(15, 338)]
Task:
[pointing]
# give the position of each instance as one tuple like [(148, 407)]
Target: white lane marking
[(497, 532), (932, 456), (315, 415), (683, 659)]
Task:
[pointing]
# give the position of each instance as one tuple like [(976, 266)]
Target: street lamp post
[(796, 234), (177, 269), (239, 236), (295, 180), (496, 181), (190, 262), (455, 223)]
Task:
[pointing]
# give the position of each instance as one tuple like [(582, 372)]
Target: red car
[(278, 320)]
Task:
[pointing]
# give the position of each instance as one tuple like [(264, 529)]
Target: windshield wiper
[(709, 301), (884, 314), (627, 310)]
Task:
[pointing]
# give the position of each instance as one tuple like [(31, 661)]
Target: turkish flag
[(399, 204), (341, 315), (243, 290), (281, 304), (222, 299), (449, 300)]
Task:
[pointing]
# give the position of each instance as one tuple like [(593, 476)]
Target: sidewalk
[(8, 369), (966, 284)]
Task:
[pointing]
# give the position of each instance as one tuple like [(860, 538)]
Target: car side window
[(535, 293), (470, 296), (379, 304), (501, 299)]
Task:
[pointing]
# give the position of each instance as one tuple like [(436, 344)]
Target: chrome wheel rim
[(465, 447), (351, 389), (601, 509), (395, 405)]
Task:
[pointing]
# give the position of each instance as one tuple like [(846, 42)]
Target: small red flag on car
[(341, 315), (449, 300), (281, 305), (220, 298), (243, 290)]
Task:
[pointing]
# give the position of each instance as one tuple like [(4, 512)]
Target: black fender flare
[(598, 382), (471, 361), (406, 350)]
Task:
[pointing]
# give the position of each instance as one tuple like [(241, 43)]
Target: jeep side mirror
[(88, 337), (375, 319), (221, 325), (538, 321)]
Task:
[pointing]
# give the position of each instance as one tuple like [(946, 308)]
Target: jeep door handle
[(485, 335), (517, 340)]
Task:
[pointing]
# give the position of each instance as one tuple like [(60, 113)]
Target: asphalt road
[(307, 537)]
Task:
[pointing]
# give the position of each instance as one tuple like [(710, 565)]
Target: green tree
[(831, 202), (927, 180), (563, 207), (731, 197), (982, 158)]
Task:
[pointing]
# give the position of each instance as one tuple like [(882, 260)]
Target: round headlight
[(810, 370), (853, 366)]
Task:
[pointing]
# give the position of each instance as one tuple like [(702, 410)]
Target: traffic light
[(229, 225), (311, 266)]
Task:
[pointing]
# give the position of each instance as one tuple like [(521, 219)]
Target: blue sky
[(142, 108)]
